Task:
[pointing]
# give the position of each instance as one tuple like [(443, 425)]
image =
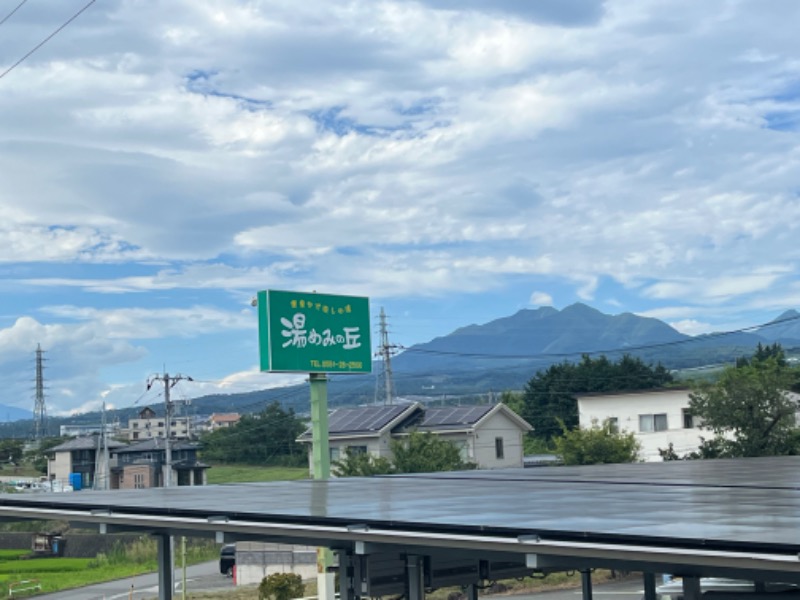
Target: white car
[(673, 590)]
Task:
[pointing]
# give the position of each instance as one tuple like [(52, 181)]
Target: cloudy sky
[(455, 161)]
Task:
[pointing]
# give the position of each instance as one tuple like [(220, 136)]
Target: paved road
[(205, 577), (630, 589), (202, 577)]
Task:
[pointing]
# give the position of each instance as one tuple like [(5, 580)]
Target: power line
[(11, 14), (47, 39)]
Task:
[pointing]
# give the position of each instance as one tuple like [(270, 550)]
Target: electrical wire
[(47, 39), (11, 14)]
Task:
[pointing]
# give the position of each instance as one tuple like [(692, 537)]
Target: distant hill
[(784, 329), (9, 414), (502, 354)]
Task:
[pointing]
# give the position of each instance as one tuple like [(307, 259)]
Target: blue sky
[(161, 162)]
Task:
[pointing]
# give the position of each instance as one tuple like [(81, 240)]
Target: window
[(613, 424), (498, 448), (138, 480), (335, 452), (649, 423), (688, 419), (357, 449)]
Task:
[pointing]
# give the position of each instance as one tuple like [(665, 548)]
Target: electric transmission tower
[(385, 351), (39, 407)]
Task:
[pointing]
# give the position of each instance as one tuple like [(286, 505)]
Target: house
[(657, 418), (222, 420), (77, 459), (142, 465), (488, 435), (148, 425)]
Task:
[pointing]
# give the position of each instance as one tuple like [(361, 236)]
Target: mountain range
[(506, 352)]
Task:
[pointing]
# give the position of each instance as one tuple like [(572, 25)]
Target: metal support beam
[(347, 573), (691, 588), (471, 592), (166, 584), (649, 586), (586, 584), (415, 577)]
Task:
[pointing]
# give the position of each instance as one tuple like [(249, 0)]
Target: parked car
[(673, 590), (227, 559)]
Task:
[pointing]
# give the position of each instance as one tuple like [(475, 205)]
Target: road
[(202, 577), (629, 589), (205, 577)]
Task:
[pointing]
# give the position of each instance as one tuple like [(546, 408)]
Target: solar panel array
[(364, 419), (452, 416), (749, 504)]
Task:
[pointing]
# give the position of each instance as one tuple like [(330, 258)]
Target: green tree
[(751, 404), (762, 354), (549, 401), (11, 450), (600, 444), (426, 453), (281, 586), (361, 464), (268, 437)]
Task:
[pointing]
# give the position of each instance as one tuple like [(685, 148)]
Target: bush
[(281, 586)]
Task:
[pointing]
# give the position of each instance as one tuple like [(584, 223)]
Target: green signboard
[(313, 333)]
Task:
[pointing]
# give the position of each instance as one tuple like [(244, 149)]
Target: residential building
[(148, 425), (223, 420), (657, 418), (82, 430), (78, 457), (488, 435), (143, 465)]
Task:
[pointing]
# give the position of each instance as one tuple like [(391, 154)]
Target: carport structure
[(407, 534)]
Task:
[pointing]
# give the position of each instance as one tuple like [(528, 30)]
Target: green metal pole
[(321, 456), (321, 459)]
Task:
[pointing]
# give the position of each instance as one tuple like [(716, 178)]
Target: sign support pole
[(321, 459)]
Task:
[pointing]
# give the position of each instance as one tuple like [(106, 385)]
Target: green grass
[(252, 473), (12, 554)]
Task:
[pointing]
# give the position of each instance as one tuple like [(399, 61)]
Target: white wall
[(626, 408), (60, 466), (498, 426), (256, 560)]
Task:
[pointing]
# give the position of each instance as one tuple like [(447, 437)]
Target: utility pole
[(169, 383), (386, 351), (102, 468), (40, 408)]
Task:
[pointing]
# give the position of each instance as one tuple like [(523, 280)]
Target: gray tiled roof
[(90, 442)]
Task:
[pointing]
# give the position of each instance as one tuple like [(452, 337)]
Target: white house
[(488, 435), (148, 425), (656, 417)]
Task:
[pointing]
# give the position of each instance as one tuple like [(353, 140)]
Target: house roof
[(156, 444), (668, 390), (369, 421), (225, 417), (89, 442), (365, 420)]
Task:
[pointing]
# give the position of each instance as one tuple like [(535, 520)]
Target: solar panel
[(453, 416), (363, 419)]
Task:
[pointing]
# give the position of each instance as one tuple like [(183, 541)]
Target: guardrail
[(26, 585)]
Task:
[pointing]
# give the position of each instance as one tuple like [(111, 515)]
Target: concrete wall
[(256, 560), (627, 408)]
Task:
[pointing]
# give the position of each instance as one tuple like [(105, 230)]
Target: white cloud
[(394, 149), (541, 299)]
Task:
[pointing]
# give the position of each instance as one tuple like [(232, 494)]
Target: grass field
[(251, 473)]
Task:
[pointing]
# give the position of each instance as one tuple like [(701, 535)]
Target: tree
[(549, 402), (362, 464), (281, 586), (750, 404), (427, 453), (268, 437), (600, 444), (763, 353)]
